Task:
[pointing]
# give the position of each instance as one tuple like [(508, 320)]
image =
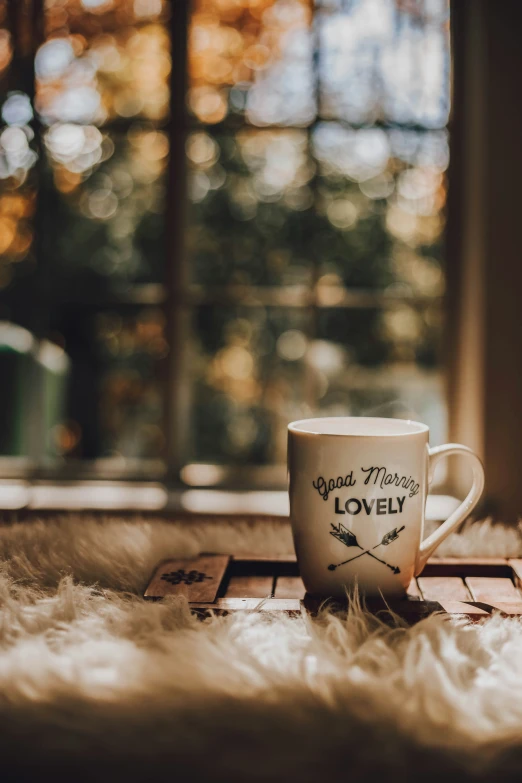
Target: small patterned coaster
[(197, 579)]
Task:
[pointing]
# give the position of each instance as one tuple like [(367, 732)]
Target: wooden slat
[(509, 608), (289, 587), (224, 606), (468, 609), (489, 589), (496, 593), (443, 588), (469, 566), (271, 568), (249, 587), (198, 579), (270, 605), (291, 558), (470, 561)]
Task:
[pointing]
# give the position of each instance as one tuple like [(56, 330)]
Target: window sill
[(151, 497)]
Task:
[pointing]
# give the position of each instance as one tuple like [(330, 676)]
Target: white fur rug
[(97, 684)]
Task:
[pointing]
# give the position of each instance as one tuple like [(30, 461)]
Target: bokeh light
[(252, 58), (18, 158), (109, 189), (383, 60), (103, 60), (131, 400), (249, 379), (385, 192), (258, 184)]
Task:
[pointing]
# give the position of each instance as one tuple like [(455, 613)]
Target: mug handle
[(430, 544)]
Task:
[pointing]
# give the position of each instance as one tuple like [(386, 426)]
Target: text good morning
[(383, 478)]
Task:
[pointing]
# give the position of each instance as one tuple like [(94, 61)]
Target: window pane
[(381, 195), (97, 15), (18, 182), (367, 208), (103, 60), (102, 96), (249, 380), (381, 60), (252, 60), (407, 395), (348, 220), (250, 200), (380, 362), (115, 404), (401, 332), (104, 201)]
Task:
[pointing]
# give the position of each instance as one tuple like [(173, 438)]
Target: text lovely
[(354, 506)]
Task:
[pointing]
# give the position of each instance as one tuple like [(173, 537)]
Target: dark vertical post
[(36, 24), (484, 263), (176, 382), (25, 23), (503, 278), (311, 393)]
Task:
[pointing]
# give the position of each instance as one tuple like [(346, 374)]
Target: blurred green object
[(33, 382)]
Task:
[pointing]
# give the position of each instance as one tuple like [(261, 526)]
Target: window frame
[(176, 298)]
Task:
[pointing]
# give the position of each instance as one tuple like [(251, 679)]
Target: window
[(85, 150), (310, 275)]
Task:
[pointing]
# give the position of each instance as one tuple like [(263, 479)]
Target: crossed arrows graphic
[(348, 538)]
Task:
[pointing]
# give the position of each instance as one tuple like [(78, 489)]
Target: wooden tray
[(471, 587)]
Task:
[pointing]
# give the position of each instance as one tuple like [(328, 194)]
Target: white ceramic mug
[(358, 490)]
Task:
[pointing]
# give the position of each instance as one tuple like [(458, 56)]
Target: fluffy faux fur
[(96, 684)]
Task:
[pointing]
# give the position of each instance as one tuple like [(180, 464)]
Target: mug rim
[(405, 427)]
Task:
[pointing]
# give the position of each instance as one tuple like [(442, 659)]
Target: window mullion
[(177, 316)]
